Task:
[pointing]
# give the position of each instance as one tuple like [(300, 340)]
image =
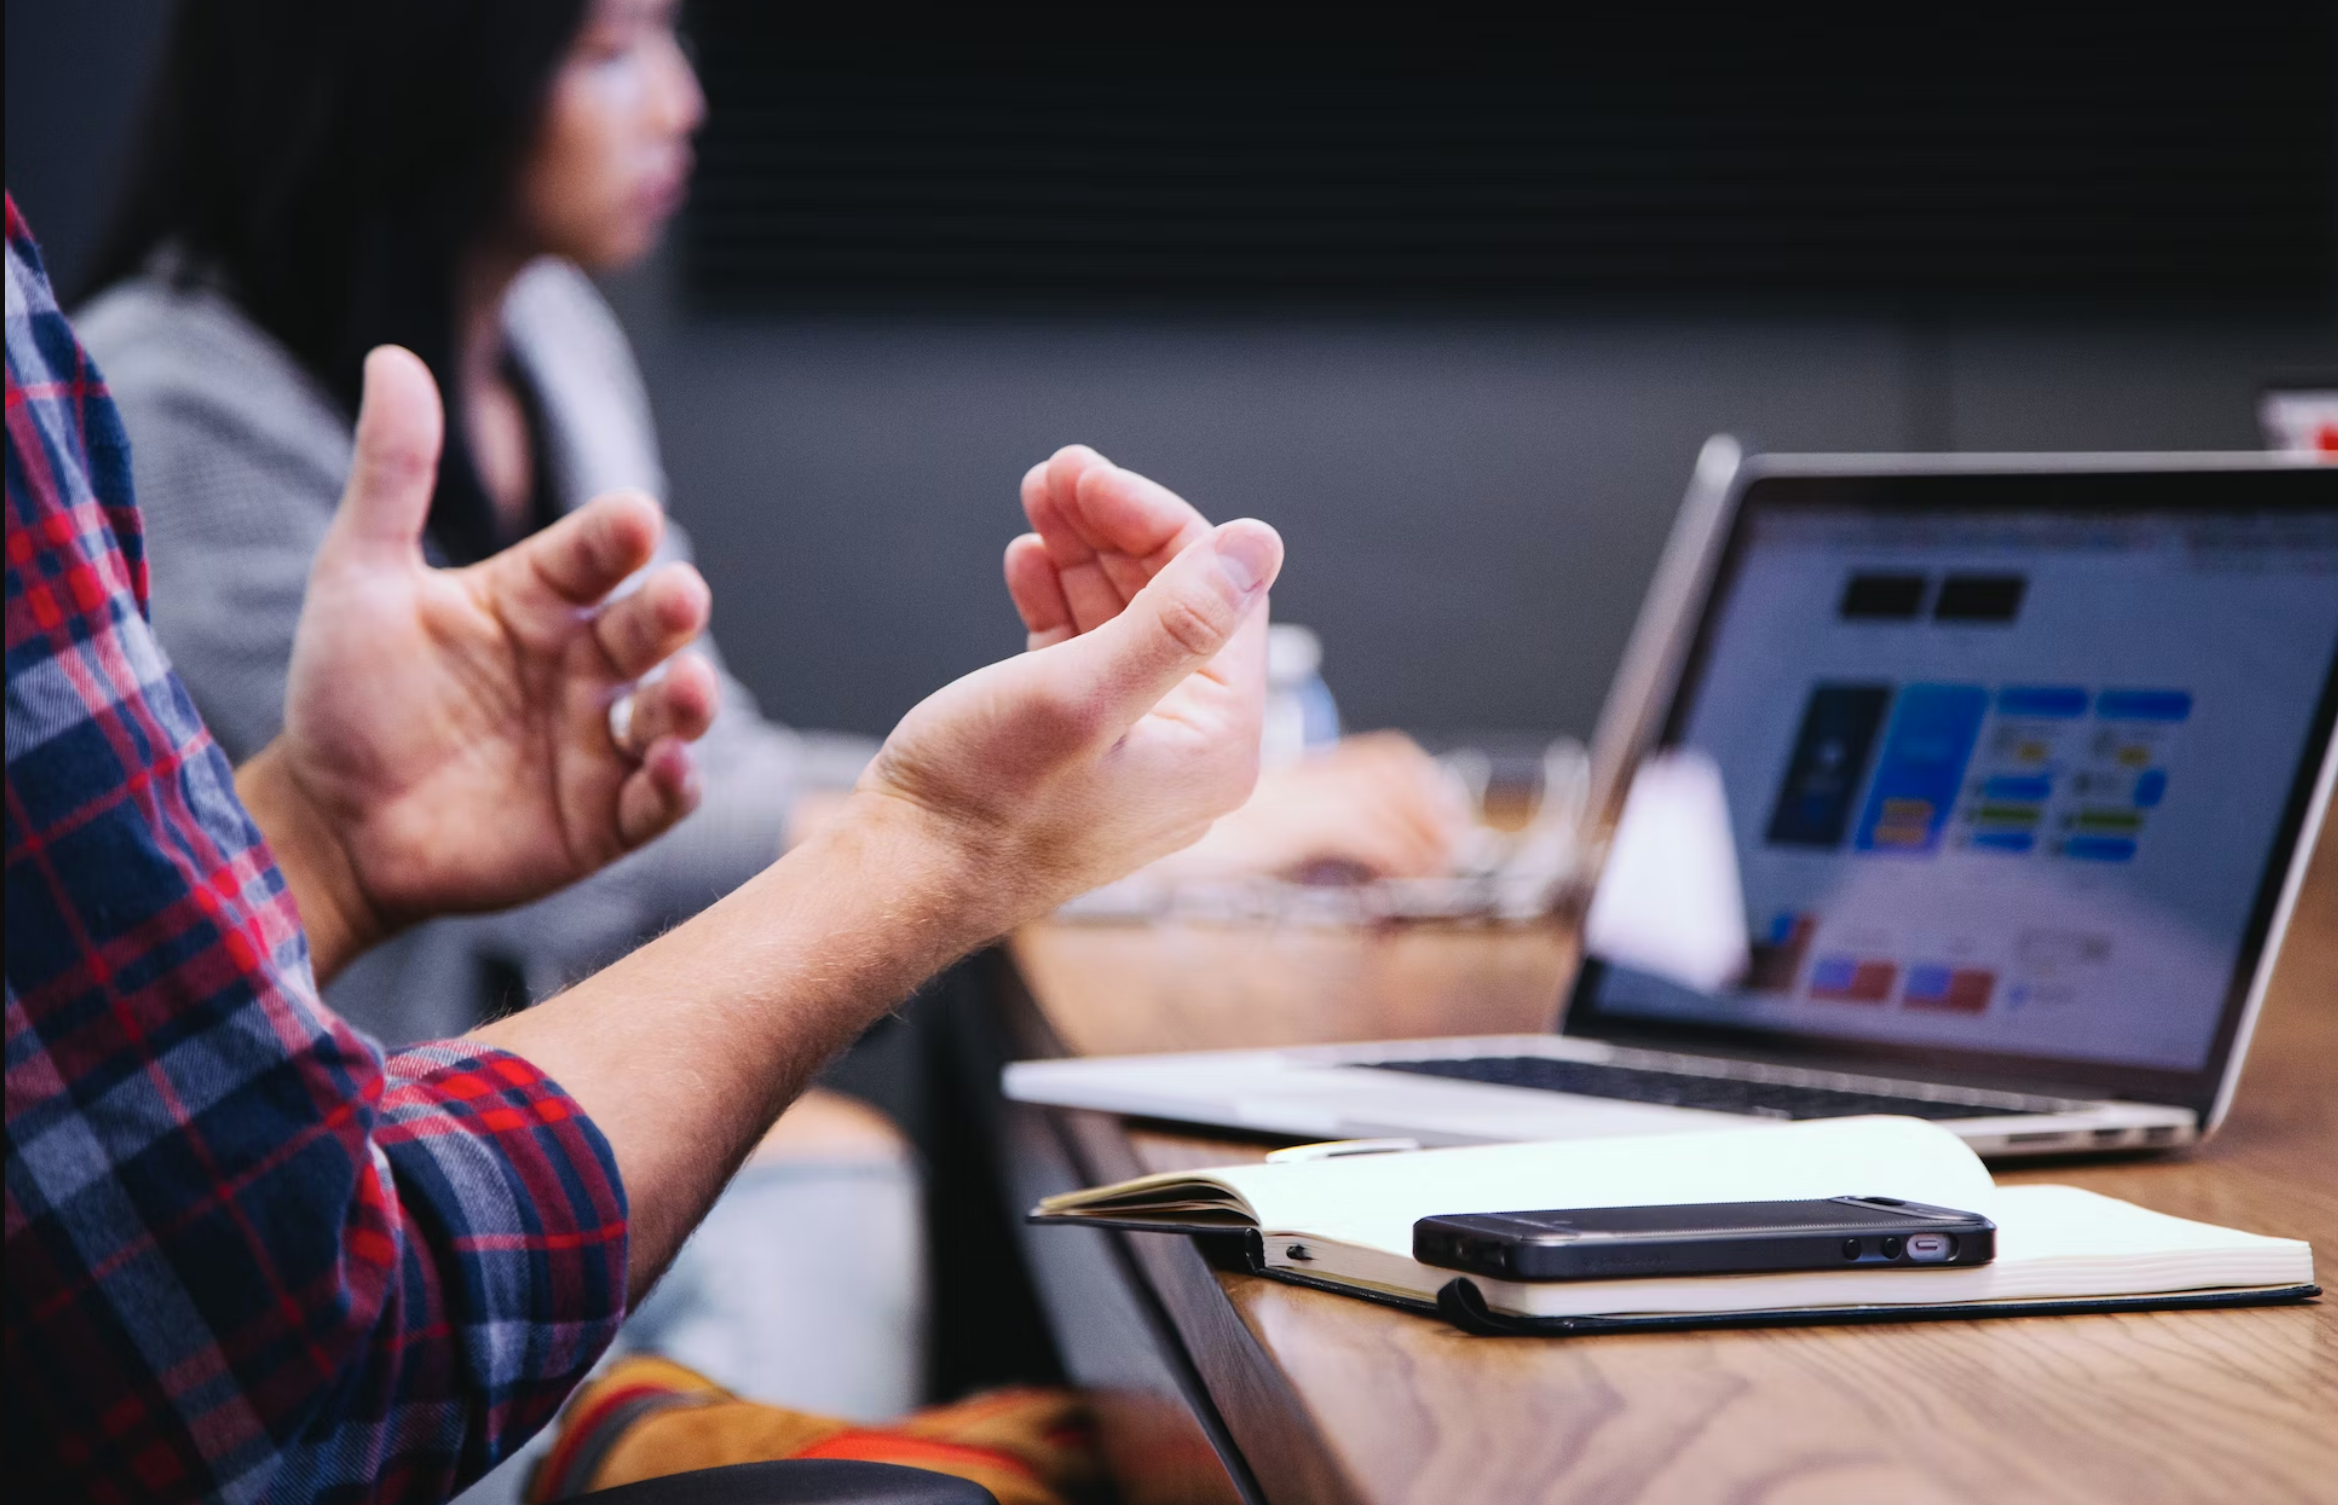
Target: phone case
[(1737, 1238)]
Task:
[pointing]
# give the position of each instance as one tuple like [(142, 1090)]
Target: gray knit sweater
[(239, 456)]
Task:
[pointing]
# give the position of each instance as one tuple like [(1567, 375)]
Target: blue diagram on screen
[(1922, 767), (2027, 746), (1831, 749), (2120, 775)]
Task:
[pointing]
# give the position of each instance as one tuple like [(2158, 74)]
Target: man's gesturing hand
[(1119, 738), (447, 739), (1377, 805), (994, 800)]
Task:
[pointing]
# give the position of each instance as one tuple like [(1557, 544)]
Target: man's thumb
[(1183, 618), (399, 429)]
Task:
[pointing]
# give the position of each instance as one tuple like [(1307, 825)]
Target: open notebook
[(1346, 1223)]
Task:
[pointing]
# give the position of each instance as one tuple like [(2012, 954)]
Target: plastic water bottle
[(1300, 713)]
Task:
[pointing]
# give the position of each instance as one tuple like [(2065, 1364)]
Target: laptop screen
[(2007, 784)]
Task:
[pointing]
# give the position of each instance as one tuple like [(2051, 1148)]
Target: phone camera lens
[(1850, 1248), (1892, 1247)]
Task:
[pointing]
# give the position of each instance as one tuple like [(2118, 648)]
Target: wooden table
[(1219, 1385)]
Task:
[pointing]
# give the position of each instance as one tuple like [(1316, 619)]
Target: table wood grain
[(1331, 1399)]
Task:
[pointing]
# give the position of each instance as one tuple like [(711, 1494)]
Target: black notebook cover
[(1460, 1303)]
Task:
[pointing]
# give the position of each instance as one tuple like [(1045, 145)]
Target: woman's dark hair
[(331, 161)]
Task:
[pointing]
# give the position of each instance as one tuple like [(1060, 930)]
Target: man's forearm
[(996, 798), (685, 1051)]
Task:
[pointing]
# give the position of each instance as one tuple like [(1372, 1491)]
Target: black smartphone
[(1705, 1238)]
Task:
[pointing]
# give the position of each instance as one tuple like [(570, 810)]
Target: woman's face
[(611, 159)]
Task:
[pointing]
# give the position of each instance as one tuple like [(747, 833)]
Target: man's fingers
[(658, 793), (1081, 504), (643, 629), (1137, 524), (1051, 498), (1177, 624), (679, 703), (1037, 591), (395, 468), (1106, 530), (590, 552)]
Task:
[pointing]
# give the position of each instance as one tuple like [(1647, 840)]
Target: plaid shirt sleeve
[(247, 1258)]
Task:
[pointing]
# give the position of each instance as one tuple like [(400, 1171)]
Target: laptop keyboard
[(1724, 1094)]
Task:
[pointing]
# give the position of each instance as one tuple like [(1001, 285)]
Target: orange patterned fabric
[(648, 1417)]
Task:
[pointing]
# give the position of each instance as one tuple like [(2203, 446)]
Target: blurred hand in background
[(1371, 806)]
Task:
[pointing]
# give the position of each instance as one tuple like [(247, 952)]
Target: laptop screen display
[(2006, 783)]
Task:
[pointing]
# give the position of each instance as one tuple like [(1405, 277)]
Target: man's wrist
[(940, 884), (341, 922)]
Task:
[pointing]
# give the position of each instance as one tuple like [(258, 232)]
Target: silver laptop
[(2024, 759)]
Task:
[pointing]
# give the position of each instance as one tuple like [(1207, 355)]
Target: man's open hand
[(448, 743)]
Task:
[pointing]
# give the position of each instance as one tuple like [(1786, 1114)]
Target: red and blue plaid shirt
[(247, 1257)]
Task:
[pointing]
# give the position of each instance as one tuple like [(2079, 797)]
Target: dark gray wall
[(1473, 505)]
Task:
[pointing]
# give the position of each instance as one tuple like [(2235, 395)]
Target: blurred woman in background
[(315, 180)]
